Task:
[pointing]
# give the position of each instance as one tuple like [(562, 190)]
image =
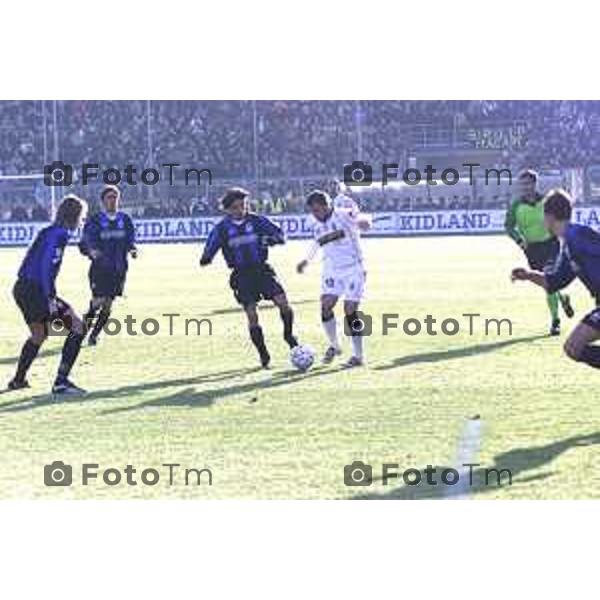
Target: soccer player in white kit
[(337, 230)]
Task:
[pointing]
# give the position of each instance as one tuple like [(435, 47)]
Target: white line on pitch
[(468, 450)]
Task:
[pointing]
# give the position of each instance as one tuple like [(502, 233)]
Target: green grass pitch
[(200, 401)]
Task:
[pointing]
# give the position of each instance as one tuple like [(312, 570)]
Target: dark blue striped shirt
[(111, 238), (579, 257), (244, 243), (44, 258)]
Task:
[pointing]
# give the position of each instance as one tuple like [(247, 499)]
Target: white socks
[(330, 327), (357, 346)]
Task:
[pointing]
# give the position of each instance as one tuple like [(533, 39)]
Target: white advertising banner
[(298, 226)]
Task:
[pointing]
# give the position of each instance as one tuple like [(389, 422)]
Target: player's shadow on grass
[(236, 309), (189, 397), (42, 400), (192, 398), (519, 462), (181, 398), (442, 355), (13, 360)]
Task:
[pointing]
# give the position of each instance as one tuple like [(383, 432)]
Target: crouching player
[(244, 239), (35, 295), (337, 232), (108, 240), (579, 257)]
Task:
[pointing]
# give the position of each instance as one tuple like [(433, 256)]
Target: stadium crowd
[(279, 149)]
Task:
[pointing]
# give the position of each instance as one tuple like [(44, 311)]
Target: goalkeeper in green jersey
[(525, 225)]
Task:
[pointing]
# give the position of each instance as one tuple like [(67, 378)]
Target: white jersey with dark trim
[(339, 239), (345, 203)]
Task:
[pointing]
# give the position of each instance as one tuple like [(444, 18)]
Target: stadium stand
[(281, 149)]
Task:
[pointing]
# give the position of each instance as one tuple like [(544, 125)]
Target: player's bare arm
[(521, 274)]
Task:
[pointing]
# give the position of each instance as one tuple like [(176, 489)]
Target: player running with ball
[(244, 238), (579, 257), (337, 232)]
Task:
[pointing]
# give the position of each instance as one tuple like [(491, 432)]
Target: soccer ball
[(302, 357)]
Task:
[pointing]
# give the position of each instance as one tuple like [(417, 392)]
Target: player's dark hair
[(318, 197), (70, 212), (528, 174), (108, 189), (233, 194), (558, 204)]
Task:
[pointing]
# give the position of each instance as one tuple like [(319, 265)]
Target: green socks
[(552, 300)]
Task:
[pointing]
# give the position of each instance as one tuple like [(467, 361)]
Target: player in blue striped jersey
[(108, 240), (35, 295), (245, 238), (579, 258)]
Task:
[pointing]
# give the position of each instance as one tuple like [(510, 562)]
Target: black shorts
[(254, 284), (593, 319), (541, 254), (34, 305), (106, 283)]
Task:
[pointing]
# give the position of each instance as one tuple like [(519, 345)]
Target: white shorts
[(344, 283)]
